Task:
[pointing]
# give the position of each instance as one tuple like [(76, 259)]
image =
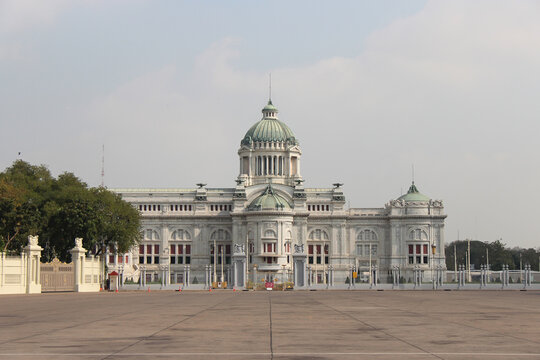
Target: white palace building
[(271, 227)]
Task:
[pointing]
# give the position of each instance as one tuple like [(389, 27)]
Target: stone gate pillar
[(239, 266), (77, 258), (33, 255), (300, 260)]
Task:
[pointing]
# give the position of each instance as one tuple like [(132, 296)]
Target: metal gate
[(57, 276)]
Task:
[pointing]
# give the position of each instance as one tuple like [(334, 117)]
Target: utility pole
[(215, 260), (455, 262), (247, 262), (520, 268), (487, 262), (222, 261), (370, 271), (469, 258)]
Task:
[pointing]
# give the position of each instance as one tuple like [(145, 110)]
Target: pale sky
[(368, 87)]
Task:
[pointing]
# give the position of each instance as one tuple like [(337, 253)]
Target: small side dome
[(414, 195), (269, 200)]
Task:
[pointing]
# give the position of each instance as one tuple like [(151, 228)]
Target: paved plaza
[(272, 325)]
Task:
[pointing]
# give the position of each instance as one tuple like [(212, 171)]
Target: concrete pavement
[(272, 325)]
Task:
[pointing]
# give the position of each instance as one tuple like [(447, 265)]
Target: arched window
[(221, 235), (180, 235), (318, 249), (270, 234), (366, 235), (367, 243), (318, 234), (150, 234), (418, 234)]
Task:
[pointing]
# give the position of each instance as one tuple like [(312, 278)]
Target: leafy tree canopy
[(495, 252), (60, 209)]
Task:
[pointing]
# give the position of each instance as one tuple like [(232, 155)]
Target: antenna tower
[(103, 166)]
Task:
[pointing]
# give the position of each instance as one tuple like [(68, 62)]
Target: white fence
[(21, 274)]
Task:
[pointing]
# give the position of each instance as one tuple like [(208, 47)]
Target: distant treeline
[(497, 252)]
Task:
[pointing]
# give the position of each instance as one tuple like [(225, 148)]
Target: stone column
[(77, 258), (239, 266), (300, 260), (33, 254)]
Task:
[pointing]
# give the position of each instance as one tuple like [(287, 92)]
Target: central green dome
[(269, 201), (269, 129)]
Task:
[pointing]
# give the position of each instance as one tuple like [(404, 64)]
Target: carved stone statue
[(299, 249), (33, 240), (78, 242), (239, 249)]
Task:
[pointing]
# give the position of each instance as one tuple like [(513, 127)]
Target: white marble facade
[(269, 212)]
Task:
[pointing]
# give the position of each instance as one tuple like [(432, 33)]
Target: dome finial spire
[(413, 173), (270, 88)]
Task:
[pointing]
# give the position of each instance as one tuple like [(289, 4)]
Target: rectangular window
[(173, 260), (425, 259), (156, 259), (227, 249), (159, 207), (141, 259), (310, 259), (359, 250), (326, 259), (418, 259), (188, 249), (310, 249), (425, 249), (148, 249), (180, 259), (411, 259), (127, 257), (111, 259), (188, 260), (318, 259), (141, 249), (156, 249), (309, 207), (173, 249), (148, 259), (318, 249), (120, 258), (411, 249), (418, 251)]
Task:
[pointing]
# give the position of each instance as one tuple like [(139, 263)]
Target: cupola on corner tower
[(269, 150)]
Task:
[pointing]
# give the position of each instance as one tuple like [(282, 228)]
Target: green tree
[(59, 210)]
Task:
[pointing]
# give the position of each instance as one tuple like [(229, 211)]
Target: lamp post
[(433, 250), (283, 276), (255, 280)]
